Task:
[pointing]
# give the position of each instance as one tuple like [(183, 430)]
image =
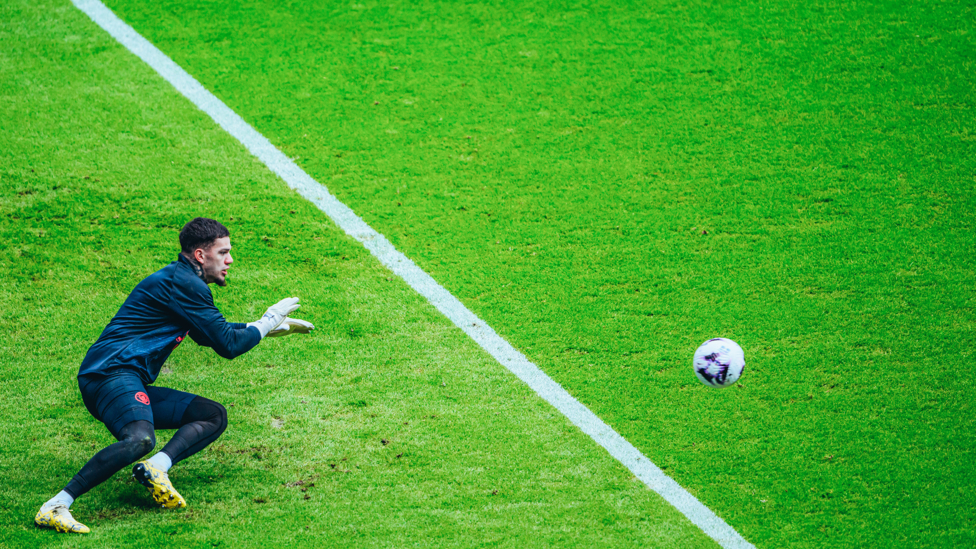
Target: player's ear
[(199, 255)]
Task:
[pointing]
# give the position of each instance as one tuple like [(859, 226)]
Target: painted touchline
[(402, 266)]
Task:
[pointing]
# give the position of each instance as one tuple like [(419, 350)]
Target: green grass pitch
[(606, 184)]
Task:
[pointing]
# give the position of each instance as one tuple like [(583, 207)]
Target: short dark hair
[(201, 232)]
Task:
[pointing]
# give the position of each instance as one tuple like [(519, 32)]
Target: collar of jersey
[(196, 269)]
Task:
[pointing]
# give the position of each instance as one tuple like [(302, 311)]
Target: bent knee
[(220, 416), (216, 412), (207, 411), (147, 443), (137, 446)]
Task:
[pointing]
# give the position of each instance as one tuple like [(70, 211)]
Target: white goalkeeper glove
[(291, 326), (275, 315)]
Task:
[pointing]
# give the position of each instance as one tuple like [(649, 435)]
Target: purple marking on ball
[(723, 370)]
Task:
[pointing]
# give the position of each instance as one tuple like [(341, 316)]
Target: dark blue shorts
[(121, 398)]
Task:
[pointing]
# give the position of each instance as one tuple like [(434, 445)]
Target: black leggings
[(203, 421)]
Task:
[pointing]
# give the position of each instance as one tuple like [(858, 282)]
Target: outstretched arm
[(209, 328)]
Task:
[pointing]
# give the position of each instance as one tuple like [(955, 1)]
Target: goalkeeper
[(116, 375)]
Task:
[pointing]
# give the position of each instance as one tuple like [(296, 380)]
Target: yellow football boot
[(59, 518), (159, 485)]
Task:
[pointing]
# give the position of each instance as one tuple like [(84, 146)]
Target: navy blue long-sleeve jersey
[(160, 312)]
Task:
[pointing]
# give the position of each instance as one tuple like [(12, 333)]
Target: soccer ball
[(719, 362)]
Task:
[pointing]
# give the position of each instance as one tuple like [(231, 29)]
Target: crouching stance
[(116, 377)]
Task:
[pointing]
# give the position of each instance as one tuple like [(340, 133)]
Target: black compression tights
[(203, 421)]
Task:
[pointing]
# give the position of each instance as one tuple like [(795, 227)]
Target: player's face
[(216, 261)]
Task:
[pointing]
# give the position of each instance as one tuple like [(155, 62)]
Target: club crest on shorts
[(142, 397)]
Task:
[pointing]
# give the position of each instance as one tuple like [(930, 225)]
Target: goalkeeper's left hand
[(290, 326)]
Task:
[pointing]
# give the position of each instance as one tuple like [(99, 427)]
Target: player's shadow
[(132, 494)]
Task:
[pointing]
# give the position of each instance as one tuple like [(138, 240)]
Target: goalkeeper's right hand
[(275, 315)]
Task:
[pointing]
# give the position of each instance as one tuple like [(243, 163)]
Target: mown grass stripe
[(420, 281)]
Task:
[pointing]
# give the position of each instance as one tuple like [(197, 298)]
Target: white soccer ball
[(719, 362)]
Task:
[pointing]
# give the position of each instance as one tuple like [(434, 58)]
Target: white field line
[(379, 246)]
